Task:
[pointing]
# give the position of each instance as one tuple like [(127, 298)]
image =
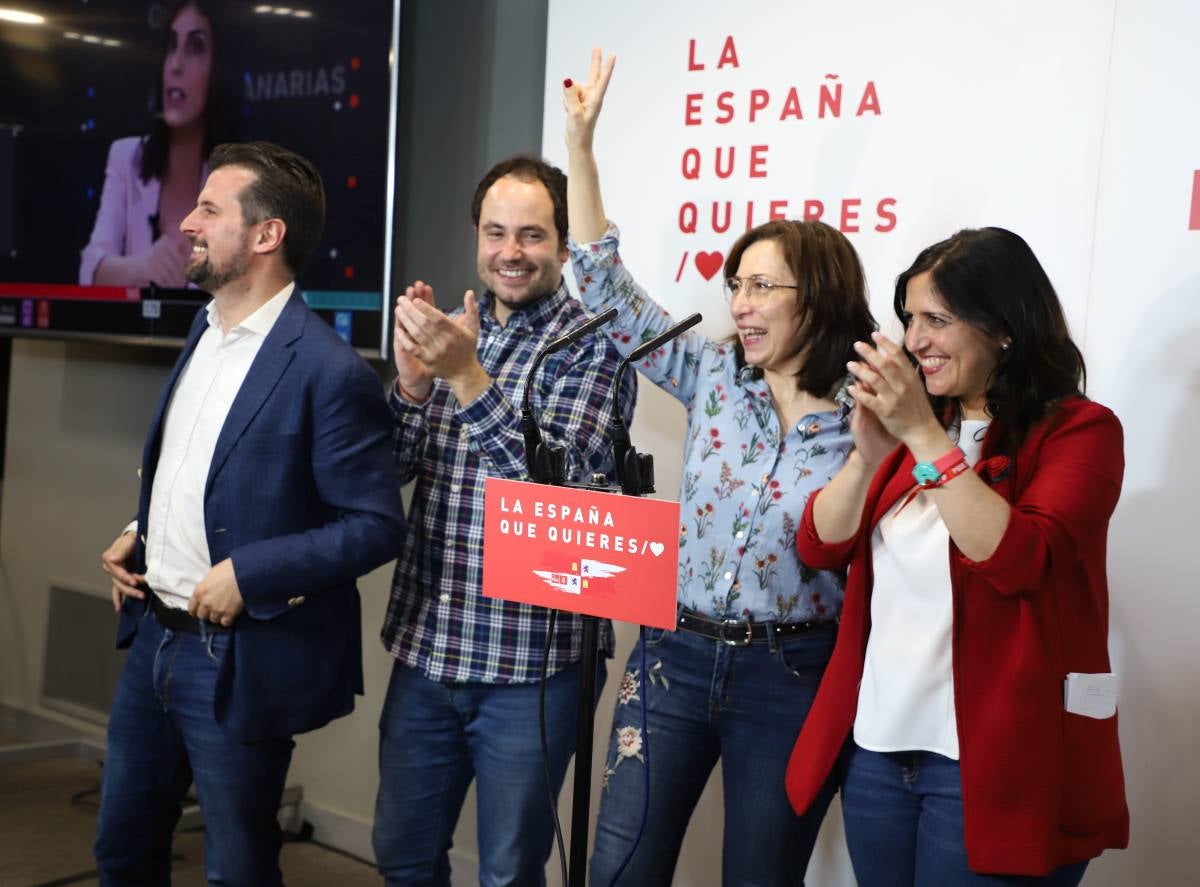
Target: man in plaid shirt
[(462, 702)]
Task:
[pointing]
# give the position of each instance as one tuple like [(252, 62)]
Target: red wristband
[(953, 471)]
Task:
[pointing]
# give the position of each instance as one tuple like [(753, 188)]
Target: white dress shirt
[(177, 555), (906, 698)]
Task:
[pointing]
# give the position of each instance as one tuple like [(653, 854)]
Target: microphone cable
[(558, 836)]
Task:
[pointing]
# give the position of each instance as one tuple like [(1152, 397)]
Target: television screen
[(106, 116)]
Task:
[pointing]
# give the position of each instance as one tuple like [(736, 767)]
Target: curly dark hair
[(990, 279)]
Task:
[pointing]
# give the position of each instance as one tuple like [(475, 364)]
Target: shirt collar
[(747, 373), (843, 398), (261, 321)]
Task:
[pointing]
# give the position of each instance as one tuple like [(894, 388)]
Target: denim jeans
[(434, 739), (904, 824), (706, 701), (162, 736)]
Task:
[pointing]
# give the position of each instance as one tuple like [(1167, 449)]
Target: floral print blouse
[(745, 480)]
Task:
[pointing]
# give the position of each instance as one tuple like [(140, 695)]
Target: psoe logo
[(583, 572)]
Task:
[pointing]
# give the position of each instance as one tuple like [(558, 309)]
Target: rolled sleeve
[(816, 553)]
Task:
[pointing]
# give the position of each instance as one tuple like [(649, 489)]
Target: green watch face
[(925, 473)]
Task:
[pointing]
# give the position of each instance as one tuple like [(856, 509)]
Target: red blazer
[(1041, 787)]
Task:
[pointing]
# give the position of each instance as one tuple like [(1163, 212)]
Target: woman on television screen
[(151, 181)]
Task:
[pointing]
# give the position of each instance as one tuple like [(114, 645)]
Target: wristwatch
[(939, 471)]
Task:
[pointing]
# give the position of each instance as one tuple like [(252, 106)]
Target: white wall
[(1143, 323), (70, 483)]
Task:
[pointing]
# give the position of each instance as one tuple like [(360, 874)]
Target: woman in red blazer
[(973, 519)]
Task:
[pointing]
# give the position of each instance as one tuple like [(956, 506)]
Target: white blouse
[(906, 699)]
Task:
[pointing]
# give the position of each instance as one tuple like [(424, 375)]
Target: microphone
[(547, 464), (575, 335), (635, 472), (658, 341), (155, 231)]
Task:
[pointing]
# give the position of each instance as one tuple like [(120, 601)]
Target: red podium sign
[(602, 554)]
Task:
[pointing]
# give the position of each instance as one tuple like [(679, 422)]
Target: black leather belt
[(180, 620), (741, 632)]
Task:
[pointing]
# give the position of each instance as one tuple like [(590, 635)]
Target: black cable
[(562, 851), (302, 835), (79, 799), (77, 878)]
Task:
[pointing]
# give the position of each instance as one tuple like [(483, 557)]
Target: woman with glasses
[(768, 423)]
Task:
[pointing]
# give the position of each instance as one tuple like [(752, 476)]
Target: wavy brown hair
[(831, 297)]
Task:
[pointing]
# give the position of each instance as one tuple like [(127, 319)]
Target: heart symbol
[(656, 548), (709, 264)]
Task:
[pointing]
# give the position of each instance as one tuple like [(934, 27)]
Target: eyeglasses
[(755, 289)]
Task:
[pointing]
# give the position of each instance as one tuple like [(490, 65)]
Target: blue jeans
[(434, 739), (707, 701), (162, 736), (904, 824)]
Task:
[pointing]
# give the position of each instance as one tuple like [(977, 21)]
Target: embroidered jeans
[(708, 701)]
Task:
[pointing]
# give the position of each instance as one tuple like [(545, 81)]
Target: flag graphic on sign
[(580, 574)]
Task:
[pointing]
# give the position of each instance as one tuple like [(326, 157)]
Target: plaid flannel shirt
[(437, 618)]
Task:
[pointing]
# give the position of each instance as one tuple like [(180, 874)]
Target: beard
[(210, 276), (527, 302)]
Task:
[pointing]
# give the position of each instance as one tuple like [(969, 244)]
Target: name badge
[(1091, 695)]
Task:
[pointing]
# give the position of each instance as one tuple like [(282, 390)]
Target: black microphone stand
[(635, 477), (547, 465), (635, 471)]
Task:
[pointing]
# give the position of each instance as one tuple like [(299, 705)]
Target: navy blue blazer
[(302, 495)]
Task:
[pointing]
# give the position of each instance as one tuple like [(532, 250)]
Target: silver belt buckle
[(736, 641)]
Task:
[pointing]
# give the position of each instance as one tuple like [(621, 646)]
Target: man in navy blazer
[(267, 489)]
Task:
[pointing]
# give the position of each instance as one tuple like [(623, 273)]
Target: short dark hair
[(221, 101), (831, 297), (287, 187), (990, 278), (528, 168)]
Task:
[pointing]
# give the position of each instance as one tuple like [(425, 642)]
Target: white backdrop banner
[(1072, 123), (896, 123)]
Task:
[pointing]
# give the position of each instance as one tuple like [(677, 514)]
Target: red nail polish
[(568, 83)]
